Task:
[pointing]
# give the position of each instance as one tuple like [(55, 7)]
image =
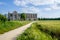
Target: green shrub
[(42, 30), (33, 33), (3, 18), (10, 25)]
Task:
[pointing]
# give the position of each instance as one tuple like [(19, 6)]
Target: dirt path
[(11, 35)]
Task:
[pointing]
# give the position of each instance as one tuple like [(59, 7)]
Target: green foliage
[(33, 33), (38, 18), (10, 25), (2, 18), (51, 27), (23, 16), (42, 30)]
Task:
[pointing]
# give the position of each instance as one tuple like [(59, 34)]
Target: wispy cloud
[(34, 2), (2, 3), (53, 5), (48, 9), (44, 8), (20, 3), (30, 10)]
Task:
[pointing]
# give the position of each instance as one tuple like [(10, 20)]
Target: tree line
[(48, 18), (23, 16)]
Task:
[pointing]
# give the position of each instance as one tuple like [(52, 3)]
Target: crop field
[(10, 25), (42, 30), (53, 26)]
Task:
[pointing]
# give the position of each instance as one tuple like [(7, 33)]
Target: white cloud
[(20, 2), (58, 1), (47, 9), (55, 6), (34, 2), (31, 10), (16, 2), (52, 3), (41, 2)]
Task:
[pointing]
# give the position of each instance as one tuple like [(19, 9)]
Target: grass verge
[(10, 25), (42, 30), (33, 33)]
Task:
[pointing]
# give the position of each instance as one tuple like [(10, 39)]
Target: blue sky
[(44, 8)]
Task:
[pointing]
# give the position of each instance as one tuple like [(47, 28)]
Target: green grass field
[(10, 25), (42, 30), (53, 26)]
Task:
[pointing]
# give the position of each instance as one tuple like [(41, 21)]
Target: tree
[(38, 18), (2, 18), (23, 16)]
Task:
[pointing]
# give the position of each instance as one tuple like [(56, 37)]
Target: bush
[(11, 25), (3, 18)]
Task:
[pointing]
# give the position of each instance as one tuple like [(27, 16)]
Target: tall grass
[(42, 30), (50, 27), (10, 25), (33, 33)]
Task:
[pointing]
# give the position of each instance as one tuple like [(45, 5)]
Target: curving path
[(11, 35)]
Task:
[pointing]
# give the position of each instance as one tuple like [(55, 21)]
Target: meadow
[(10, 25), (42, 30)]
